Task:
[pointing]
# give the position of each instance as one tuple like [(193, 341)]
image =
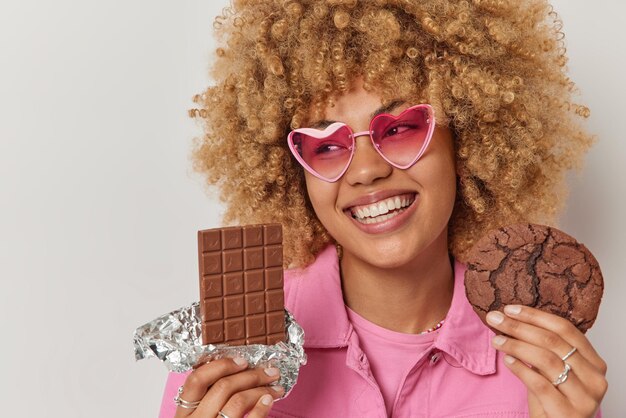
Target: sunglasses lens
[(402, 139), (327, 156)]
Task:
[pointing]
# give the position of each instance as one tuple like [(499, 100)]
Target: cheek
[(446, 184), (323, 196), (445, 167), (437, 175), (441, 188), (449, 178)]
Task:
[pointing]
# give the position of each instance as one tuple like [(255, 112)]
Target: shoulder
[(300, 279), (324, 262)]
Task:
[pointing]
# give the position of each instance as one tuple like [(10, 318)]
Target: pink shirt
[(456, 374), (391, 354)]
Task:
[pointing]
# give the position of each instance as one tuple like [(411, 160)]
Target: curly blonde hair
[(494, 71)]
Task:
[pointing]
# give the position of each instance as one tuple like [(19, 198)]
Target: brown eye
[(328, 148), (399, 130)]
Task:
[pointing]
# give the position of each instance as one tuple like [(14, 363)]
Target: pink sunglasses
[(401, 141)]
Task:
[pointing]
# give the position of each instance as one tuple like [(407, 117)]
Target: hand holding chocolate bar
[(241, 302), (244, 347), (227, 386)]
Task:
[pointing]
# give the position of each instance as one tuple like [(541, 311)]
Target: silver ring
[(563, 376), (572, 351), (183, 403), (220, 414)]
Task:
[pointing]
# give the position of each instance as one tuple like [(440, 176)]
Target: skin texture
[(226, 385), (537, 341), (410, 264)]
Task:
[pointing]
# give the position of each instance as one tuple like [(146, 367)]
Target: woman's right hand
[(228, 386)]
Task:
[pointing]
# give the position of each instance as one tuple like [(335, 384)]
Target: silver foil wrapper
[(175, 339)]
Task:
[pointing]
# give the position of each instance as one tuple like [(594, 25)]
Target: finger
[(242, 402), (560, 326), (262, 407), (199, 381), (535, 409), (224, 388), (549, 397), (592, 377), (537, 335), (552, 400), (545, 362)]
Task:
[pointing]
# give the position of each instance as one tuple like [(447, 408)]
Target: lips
[(390, 221)]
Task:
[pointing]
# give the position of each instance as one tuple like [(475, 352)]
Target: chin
[(387, 257), (401, 250)]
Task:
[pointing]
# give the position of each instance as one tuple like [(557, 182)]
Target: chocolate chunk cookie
[(538, 266)]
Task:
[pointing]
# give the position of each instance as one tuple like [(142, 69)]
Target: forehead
[(353, 104), (354, 107)]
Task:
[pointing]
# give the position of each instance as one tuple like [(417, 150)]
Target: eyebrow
[(324, 123)]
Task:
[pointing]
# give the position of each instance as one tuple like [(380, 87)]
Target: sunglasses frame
[(331, 129)]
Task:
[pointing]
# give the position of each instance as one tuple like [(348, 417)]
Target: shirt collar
[(319, 308), (463, 335), (318, 301)]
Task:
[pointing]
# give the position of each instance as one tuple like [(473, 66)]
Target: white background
[(99, 207)]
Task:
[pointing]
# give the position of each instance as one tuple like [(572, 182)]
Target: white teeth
[(380, 218), (380, 211), (382, 208)]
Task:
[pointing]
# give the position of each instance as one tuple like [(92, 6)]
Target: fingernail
[(499, 340), (277, 388), (508, 359), (240, 361), (495, 317), (267, 400), (272, 371), (513, 309)]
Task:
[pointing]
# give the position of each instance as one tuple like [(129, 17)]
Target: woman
[(387, 137)]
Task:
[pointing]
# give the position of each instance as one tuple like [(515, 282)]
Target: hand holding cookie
[(541, 289), (564, 375)]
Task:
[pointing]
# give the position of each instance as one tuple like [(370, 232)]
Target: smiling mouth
[(382, 210)]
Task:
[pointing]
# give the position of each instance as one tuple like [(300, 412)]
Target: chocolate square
[(253, 281), (254, 303), (252, 236), (274, 278), (231, 238)]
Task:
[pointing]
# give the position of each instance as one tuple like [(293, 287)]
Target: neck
[(409, 298)]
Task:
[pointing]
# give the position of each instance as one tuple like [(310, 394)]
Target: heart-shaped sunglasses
[(401, 140)]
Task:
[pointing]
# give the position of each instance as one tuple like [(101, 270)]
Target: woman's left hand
[(536, 344)]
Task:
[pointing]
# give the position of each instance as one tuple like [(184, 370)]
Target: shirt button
[(362, 361), (435, 358)]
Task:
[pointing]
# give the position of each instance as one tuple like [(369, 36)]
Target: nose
[(367, 164)]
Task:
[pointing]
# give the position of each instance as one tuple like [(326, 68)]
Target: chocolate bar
[(241, 285)]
